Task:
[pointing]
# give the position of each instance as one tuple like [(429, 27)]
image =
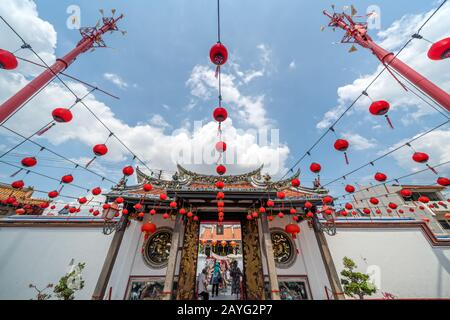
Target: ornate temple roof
[(23, 196), (186, 180)]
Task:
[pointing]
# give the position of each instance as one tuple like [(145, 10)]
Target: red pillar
[(90, 37), (358, 33)]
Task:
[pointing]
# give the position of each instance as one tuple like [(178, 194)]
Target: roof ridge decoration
[(198, 177)]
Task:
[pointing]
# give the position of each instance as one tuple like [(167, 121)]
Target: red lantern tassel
[(217, 72), (346, 158), (44, 130), (389, 122), (90, 161), (432, 169), (16, 173)]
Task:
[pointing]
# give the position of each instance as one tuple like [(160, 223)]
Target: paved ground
[(223, 295)]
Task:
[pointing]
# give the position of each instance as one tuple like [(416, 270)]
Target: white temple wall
[(403, 261), (308, 262), (41, 255)]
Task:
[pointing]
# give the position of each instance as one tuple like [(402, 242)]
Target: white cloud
[(148, 140), (359, 142), (116, 79), (434, 143), (250, 109), (292, 65), (386, 87)]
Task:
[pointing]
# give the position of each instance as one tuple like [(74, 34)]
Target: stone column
[(172, 263), (108, 265), (270, 260), (330, 268)]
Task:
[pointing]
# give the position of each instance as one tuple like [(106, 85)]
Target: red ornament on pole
[(342, 146)]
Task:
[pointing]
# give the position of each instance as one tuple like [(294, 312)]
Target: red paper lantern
[(148, 227), (153, 212), (221, 146), (420, 157), (220, 204), (221, 170), (327, 200), (100, 150), (220, 195), (392, 206), (281, 195), (440, 50), (255, 215), (445, 182), (190, 214), (29, 162), (315, 167), (424, 199), (381, 108), (342, 146), (348, 206), (295, 183), (308, 215), (270, 218), (380, 177), (96, 191), (406, 193), (281, 215), (18, 184), (220, 114), (292, 229), (374, 201), (220, 185), (366, 210), (293, 211), (62, 115), (328, 212), (173, 205), (182, 211), (378, 211), (166, 216), (44, 205), (262, 210), (53, 194), (7, 60), (128, 171), (67, 179), (82, 200), (120, 200), (308, 205), (72, 210), (147, 187), (270, 203), (163, 197), (350, 188), (125, 212), (195, 218), (20, 212), (218, 54)]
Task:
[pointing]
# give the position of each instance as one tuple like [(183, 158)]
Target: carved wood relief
[(188, 265), (253, 269)]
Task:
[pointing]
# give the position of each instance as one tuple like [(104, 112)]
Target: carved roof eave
[(198, 177)]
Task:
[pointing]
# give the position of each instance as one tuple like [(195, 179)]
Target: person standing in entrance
[(203, 285), (236, 274), (216, 279)]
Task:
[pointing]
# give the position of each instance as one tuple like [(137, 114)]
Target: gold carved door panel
[(188, 265), (253, 269)]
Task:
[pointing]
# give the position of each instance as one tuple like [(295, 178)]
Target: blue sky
[(301, 72)]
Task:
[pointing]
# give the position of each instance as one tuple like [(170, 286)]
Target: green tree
[(356, 283), (69, 283)]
